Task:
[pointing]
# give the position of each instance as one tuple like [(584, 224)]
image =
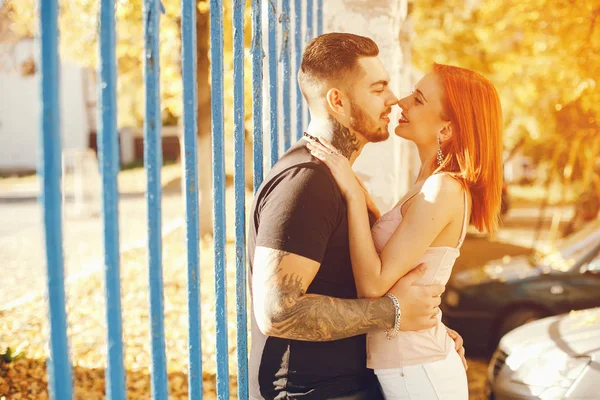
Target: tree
[(543, 56), (78, 43)]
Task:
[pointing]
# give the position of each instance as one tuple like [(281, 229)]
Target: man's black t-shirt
[(299, 209)]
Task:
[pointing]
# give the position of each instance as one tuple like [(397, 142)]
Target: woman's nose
[(403, 103)]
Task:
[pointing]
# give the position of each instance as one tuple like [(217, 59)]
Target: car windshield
[(567, 253)]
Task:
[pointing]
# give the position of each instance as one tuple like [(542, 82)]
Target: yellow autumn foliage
[(543, 56), (78, 24)]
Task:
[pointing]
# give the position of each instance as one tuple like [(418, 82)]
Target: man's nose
[(392, 99)]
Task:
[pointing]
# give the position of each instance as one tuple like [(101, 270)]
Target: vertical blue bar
[(287, 87), (190, 143), (309, 32), (108, 146), (216, 52), (298, 50), (153, 164), (272, 44), (257, 97), (309, 20), (59, 366), (239, 7), (319, 17)]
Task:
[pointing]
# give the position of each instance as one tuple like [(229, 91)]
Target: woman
[(454, 118)]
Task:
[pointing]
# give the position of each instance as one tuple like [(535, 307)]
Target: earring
[(440, 154)]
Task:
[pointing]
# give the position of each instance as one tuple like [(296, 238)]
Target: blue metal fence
[(298, 58), (108, 145), (273, 103), (190, 128), (59, 364), (240, 195), (153, 163)]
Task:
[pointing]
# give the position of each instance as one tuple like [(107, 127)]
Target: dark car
[(485, 303)]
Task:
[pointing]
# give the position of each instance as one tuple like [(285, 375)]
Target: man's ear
[(446, 132), (336, 102)]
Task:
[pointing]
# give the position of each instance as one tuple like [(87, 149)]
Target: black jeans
[(373, 392)]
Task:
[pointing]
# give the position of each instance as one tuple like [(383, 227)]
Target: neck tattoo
[(343, 140)]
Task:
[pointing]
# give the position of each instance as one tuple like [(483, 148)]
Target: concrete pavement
[(22, 251)]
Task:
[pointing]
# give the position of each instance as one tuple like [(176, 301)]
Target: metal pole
[(298, 45), (108, 146), (59, 366), (240, 197), (286, 59), (216, 51), (190, 143), (153, 164), (273, 92), (257, 97)]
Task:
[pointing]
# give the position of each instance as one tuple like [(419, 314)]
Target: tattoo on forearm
[(300, 316), (343, 140)]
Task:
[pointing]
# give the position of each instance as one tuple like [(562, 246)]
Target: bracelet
[(392, 333)]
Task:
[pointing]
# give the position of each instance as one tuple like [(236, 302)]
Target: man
[(308, 327)]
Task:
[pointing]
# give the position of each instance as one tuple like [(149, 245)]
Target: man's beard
[(363, 124)]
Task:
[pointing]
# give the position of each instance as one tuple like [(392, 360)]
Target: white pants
[(440, 380)]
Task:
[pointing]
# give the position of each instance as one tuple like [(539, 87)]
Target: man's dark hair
[(332, 56)]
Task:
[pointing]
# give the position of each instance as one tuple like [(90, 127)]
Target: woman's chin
[(398, 131)]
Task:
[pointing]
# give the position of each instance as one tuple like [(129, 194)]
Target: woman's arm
[(366, 263), (430, 212), (371, 206)]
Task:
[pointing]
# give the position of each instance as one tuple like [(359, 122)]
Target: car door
[(584, 283)]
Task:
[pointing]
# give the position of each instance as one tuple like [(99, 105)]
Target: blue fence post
[(273, 92), (153, 164), (216, 64), (309, 20), (309, 35), (59, 366), (108, 149), (319, 17), (257, 97), (190, 142), (285, 57), (298, 57), (239, 7)]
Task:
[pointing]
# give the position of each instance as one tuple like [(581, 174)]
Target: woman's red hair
[(474, 153)]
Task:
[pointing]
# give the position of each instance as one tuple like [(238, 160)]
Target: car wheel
[(517, 318)]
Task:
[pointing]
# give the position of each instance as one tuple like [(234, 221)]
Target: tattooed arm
[(283, 309), (293, 231)]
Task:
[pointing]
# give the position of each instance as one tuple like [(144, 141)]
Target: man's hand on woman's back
[(419, 304)]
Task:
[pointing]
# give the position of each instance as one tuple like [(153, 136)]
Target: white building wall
[(20, 110), (385, 167)]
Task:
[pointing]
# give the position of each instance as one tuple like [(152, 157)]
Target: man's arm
[(295, 227), (283, 309)]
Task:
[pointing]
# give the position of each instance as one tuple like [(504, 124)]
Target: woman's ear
[(336, 102), (446, 132)]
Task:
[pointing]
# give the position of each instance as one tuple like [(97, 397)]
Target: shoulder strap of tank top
[(405, 201)]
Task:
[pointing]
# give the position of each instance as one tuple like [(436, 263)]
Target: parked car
[(587, 208), (553, 358), (485, 303)]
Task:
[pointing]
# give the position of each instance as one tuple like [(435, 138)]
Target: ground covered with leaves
[(25, 330)]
